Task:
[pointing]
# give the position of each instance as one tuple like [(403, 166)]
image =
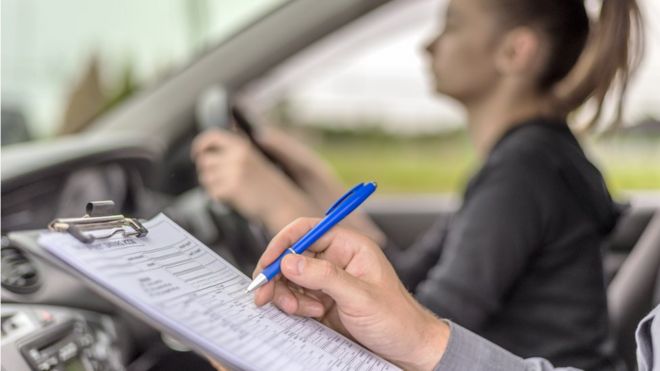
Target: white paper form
[(177, 281)]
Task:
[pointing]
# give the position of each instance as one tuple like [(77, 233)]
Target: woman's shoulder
[(520, 165), (538, 144), (534, 160), (526, 156), (545, 159)]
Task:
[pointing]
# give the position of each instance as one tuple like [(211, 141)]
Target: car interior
[(52, 321)]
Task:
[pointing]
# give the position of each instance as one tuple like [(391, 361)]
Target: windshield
[(65, 62)]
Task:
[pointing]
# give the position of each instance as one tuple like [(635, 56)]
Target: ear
[(519, 52)]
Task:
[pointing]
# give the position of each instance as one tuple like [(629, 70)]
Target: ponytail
[(612, 54)]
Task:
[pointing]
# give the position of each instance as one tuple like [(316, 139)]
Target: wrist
[(429, 349), (288, 203)]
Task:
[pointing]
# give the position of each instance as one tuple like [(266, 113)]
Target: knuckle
[(211, 137), (242, 147), (215, 133), (242, 159), (307, 221), (300, 221), (327, 269)]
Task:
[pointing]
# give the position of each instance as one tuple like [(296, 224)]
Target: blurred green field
[(630, 164), (444, 163)]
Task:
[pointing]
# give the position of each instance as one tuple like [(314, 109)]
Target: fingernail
[(301, 264), (282, 302), (287, 304), (295, 264), (317, 310)]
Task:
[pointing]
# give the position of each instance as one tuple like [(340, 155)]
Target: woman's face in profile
[(462, 55)]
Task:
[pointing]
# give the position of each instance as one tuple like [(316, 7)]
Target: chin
[(442, 90), (437, 86)]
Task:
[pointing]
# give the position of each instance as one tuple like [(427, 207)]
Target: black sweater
[(520, 263)]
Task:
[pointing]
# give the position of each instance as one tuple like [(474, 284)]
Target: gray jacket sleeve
[(648, 348), (468, 351)]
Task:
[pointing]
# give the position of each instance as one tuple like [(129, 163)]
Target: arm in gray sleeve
[(648, 349), (468, 351)]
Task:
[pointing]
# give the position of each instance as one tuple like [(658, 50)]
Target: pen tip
[(258, 282)]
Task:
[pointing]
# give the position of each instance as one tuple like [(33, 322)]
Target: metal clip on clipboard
[(98, 217)]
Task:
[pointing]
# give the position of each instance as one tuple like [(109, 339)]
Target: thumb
[(317, 274)]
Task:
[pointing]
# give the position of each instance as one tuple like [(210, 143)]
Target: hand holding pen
[(349, 285), (337, 212)]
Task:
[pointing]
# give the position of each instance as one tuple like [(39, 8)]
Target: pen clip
[(343, 198)]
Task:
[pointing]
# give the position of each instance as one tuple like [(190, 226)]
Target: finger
[(296, 303), (217, 365), (231, 153), (216, 185), (283, 240), (308, 306), (291, 234), (284, 298), (205, 140), (341, 257), (210, 160), (215, 177), (213, 138), (316, 274), (265, 293), (318, 295)]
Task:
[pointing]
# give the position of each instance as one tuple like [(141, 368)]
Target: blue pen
[(338, 211)]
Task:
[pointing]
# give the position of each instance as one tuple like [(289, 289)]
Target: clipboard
[(98, 215), (175, 330)]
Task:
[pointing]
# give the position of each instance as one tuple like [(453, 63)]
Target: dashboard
[(45, 338), (50, 320)]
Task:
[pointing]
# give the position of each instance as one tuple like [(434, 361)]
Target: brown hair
[(586, 60)]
